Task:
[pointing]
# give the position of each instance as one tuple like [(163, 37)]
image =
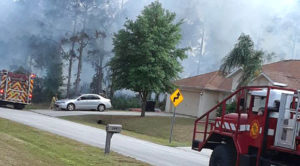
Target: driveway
[(119, 113), (148, 152)]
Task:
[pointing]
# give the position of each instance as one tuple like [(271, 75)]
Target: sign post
[(176, 98)]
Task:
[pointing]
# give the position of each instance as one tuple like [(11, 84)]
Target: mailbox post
[(110, 130)]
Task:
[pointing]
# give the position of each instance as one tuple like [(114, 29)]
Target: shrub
[(230, 108), (124, 102)]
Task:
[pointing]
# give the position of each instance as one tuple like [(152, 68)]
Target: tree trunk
[(99, 79), (111, 90), (144, 102), (71, 58), (100, 74), (144, 96), (157, 99), (81, 46), (72, 55), (69, 75), (79, 67)]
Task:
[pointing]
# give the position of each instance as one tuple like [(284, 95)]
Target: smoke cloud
[(272, 24)]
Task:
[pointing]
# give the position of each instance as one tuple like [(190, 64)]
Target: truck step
[(195, 144)]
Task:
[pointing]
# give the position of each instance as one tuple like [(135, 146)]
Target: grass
[(23, 145), (154, 129)]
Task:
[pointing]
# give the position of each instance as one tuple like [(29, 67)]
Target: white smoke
[(272, 24)]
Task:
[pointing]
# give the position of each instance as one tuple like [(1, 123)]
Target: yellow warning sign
[(176, 98)]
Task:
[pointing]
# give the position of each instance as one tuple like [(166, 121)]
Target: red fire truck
[(16, 89), (263, 129)]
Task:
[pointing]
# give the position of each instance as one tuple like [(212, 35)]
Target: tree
[(53, 80), (243, 56), (96, 57), (105, 12), (69, 55), (146, 57), (46, 56), (93, 12), (82, 40)]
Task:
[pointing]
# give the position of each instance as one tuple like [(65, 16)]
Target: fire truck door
[(286, 124)]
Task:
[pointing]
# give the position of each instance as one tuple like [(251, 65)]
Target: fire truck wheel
[(223, 155), (71, 107), (101, 107)]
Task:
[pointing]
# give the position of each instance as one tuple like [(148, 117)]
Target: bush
[(124, 102), (230, 108)]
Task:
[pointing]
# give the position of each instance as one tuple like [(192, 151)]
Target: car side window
[(84, 98), (95, 98)]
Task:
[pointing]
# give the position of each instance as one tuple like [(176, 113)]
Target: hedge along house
[(204, 91), (201, 93)]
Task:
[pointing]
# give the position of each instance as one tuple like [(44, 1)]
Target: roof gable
[(286, 72), (211, 81)]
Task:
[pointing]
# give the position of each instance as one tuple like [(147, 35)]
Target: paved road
[(120, 113), (142, 150)]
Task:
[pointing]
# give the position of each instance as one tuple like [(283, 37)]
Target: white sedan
[(84, 102)]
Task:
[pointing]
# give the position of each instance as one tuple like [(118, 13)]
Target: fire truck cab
[(263, 129)]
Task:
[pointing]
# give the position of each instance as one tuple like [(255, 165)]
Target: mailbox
[(110, 130), (113, 128)]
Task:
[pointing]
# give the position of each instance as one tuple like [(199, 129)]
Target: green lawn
[(23, 145), (154, 129)]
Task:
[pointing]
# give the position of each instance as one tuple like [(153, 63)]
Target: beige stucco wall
[(260, 81), (189, 106), (235, 80), (195, 103), (209, 100)]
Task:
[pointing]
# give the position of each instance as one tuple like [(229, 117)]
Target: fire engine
[(16, 89), (262, 130)]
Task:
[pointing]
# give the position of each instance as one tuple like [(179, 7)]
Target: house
[(201, 93), (204, 91), (284, 73)]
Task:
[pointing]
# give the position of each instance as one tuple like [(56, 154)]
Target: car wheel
[(223, 155), (101, 107), (70, 107)]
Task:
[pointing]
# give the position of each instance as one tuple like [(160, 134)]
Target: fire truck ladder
[(287, 125)]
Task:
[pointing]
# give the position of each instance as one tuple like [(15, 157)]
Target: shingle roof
[(286, 71), (211, 81)]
